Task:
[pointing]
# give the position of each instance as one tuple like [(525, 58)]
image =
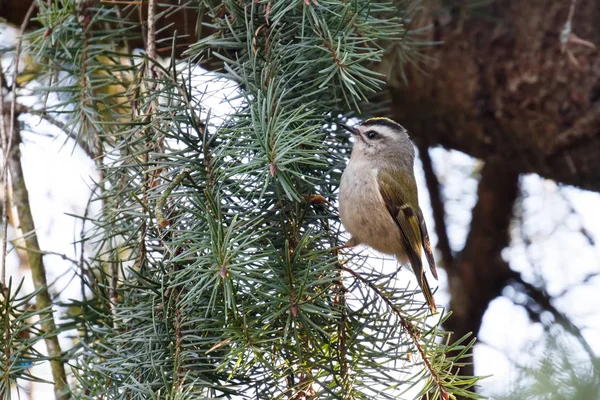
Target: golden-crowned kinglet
[(379, 205)]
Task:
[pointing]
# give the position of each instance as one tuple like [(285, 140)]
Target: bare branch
[(565, 33), (70, 133), (437, 205), (8, 129), (13, 103), (6, 203), (151, 42), (545, 303), (38, 270)]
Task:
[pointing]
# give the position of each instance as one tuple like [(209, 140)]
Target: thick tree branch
[(480, 273), (502, 87), (38, 270), (437, 205)]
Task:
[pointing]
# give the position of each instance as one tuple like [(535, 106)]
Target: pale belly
[(364, 215)]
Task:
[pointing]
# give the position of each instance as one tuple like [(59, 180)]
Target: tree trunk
[(500, 85)]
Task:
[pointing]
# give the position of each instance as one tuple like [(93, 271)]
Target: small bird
[(379, 204)]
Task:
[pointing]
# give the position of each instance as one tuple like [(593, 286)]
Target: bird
[(378, 198)]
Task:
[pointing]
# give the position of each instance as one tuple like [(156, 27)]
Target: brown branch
[(480, 273), (437, 205), (545, 303), (38, 270), (6, 203), (13, 103), (7, 131), (12, 161)]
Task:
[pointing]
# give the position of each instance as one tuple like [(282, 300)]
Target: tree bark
[(503, 88), (500, 85), (479, 273)]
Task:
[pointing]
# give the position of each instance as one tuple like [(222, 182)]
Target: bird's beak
[(349, 129)]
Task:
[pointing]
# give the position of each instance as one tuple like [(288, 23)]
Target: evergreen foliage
[(20, 334), (217, 270)]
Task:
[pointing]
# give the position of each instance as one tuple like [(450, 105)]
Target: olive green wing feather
[(399, 194), (427, 244)]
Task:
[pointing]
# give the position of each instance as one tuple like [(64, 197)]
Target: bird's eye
[(371, 134)]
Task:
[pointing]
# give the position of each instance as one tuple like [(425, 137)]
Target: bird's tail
[(427, 292), (417, 266)]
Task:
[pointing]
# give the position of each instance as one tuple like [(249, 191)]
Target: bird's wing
[(427, 244), (400, 199), (404, 214), (397, 191)]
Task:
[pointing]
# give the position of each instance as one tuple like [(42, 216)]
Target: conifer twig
[(151, 43), (408, 327), (7, 135), (6, 203)]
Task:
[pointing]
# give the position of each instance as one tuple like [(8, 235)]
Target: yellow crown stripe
[(382, 121), (375, 119)]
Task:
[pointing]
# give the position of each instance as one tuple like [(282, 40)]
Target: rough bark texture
[(499, 85), (479, 273)]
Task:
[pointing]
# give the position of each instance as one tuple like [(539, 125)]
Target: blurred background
[(502, 100)]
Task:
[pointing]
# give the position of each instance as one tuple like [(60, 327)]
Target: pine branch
[(213, 249), (408, 327)]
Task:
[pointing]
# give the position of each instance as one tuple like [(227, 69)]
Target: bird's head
[(381, 138)]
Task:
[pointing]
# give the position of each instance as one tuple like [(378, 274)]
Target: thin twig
[(340, 299), (544, 300), (49, 253), (7, 136), (565, 34), (13, 103), (437, 206), (405, 323), (69, 132), (6, 203), (582, 131), (151, 43)]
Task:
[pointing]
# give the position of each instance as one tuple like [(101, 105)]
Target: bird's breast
[(363, 212)]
